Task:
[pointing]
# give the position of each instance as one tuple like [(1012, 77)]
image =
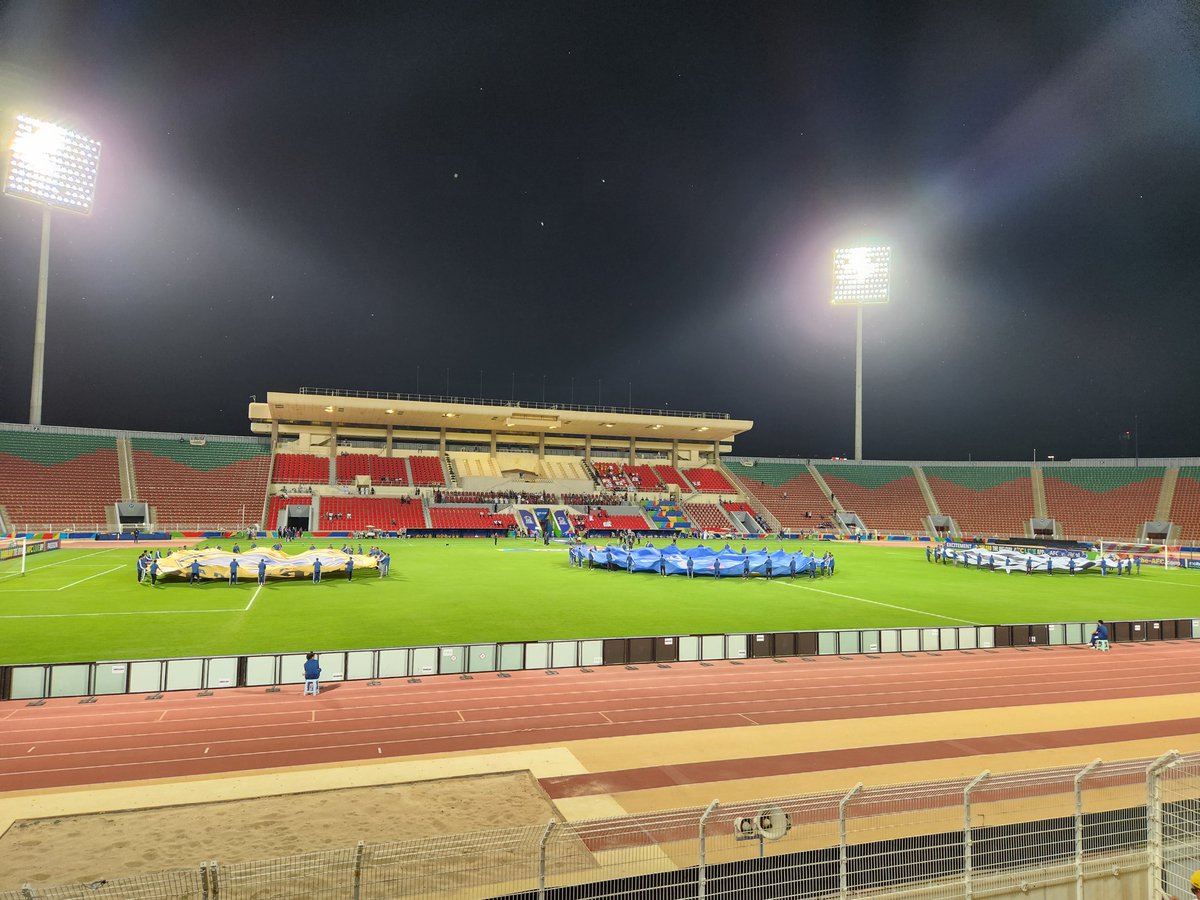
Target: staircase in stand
[(666, 514)]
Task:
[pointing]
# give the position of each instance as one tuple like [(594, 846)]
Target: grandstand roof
[(365, 409)]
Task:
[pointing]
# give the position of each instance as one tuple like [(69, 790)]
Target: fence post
[(1082, 774), (968, 873), (541, 889), (1154, 818), (702, 874), (843, 851), (214, 880), (27, 891), (358, 858), (203, 881)]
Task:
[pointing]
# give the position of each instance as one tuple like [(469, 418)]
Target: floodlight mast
[(53, 167), (861, 277)]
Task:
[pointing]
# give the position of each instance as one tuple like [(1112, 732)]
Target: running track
[(65, 742)]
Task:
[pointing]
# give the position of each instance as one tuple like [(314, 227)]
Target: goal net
[(1165, 555), (12, 556)]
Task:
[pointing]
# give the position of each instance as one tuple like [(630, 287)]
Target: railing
[(1107, 829), (35, 681), (518, 404), (119, 433)]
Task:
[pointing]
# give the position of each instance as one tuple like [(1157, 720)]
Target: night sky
[(643, 197)]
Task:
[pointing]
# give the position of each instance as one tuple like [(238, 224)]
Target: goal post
[(13, 555)]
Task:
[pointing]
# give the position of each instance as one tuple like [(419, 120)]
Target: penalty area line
[(246, 608), (89, 578), (880, 603), (61, 562)]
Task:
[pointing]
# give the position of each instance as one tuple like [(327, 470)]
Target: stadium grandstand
[(331, 461)]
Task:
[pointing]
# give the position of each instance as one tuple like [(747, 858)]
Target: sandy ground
[(64, 850)]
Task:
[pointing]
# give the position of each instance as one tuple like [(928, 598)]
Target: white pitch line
[(89, 578), (61, 562), (246, 608), (880, 603)]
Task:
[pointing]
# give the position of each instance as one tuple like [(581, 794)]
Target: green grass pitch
[(84, 604)]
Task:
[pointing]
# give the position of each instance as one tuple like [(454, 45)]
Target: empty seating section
[(278, 504), (786, 489), (670, 475), (359, 513), (709, 481), (707, 517), (739, 506), (57, 480), (643, 478), (885, 498), (300, 468), (427, 471), (1185, 507), (984, 501), (1102, 502), (601, 520), (475, 518), (219, 483), (384, 470)]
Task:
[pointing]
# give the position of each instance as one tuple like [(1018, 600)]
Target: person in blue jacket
[(262, 570), (233, 567), (194, 574), (317, 570), (312, 674), (1100, 636), (350, 568)]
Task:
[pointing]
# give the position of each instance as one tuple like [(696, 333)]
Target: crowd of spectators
[(492, 497), (594, 499)]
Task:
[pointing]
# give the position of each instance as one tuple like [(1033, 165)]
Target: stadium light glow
[(861, 277), (56, 168), (52, 165)]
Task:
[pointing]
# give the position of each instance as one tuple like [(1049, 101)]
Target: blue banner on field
[(701, 561)]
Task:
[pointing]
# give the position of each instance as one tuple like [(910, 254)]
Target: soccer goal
[(12, 556), (1152, 554)]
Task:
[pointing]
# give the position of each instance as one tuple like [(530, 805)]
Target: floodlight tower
[(861, 277), (56, 168)]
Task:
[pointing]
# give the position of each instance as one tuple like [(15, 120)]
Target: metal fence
[(1112, 829)]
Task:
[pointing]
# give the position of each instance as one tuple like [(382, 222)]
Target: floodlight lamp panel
[(862, 275), (52, 165)]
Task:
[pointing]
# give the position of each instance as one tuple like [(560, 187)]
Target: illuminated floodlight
[(861, 278), (862, 275), (53, 166)]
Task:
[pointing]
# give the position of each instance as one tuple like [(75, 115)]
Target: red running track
[(124, 738)]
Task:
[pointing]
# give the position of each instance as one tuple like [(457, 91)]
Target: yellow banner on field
[(217, 563)]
